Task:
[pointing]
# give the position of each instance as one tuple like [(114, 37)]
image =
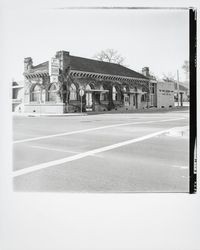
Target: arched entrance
[(36, 94)]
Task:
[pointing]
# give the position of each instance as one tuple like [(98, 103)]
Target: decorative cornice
[(77, 73), (35, 75)]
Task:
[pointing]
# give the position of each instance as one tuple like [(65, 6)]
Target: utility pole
[(178, 86)]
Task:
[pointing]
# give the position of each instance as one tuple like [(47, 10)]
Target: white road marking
[(55, 149), (185, 167), (91, 129), (182, 132), (64, 151), (181, 167), (85, 154)]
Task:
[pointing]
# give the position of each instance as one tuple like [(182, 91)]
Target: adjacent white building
[(18, 96)]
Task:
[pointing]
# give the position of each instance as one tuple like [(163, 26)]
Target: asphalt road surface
[(102, 153)]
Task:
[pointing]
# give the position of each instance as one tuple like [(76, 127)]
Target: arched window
[(52, 93), (125, 89), (36, 94), (114, 93), (88, 87), (73, 92)]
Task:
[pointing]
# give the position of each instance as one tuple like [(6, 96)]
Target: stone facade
[(73, 84), (54, 86)]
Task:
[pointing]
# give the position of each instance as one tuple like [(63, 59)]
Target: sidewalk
[(150, 110), (44, 115)]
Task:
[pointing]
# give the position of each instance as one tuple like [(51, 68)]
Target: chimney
[(28, 64), (145, 71), (64, 59)]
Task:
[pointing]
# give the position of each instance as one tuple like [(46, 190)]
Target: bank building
[(69, 83)]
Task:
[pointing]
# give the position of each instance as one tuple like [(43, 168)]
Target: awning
[(97, 90), (136, 92)]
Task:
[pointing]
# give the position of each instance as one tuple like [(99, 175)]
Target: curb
[(48, 115), (164, 110)]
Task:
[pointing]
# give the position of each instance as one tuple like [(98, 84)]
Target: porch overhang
[(96, 91), (136, 92)]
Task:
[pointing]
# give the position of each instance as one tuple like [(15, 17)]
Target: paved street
[(141, 152)]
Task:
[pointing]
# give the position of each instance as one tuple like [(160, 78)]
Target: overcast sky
[(158, 39)]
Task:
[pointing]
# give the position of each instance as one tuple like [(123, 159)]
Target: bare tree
[(110, 55), (186, 68), (169, 77)]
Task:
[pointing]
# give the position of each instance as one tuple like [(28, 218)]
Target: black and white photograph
[(101, 105)]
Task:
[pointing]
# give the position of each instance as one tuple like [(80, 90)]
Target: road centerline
[(85, 154), (91, 129)]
